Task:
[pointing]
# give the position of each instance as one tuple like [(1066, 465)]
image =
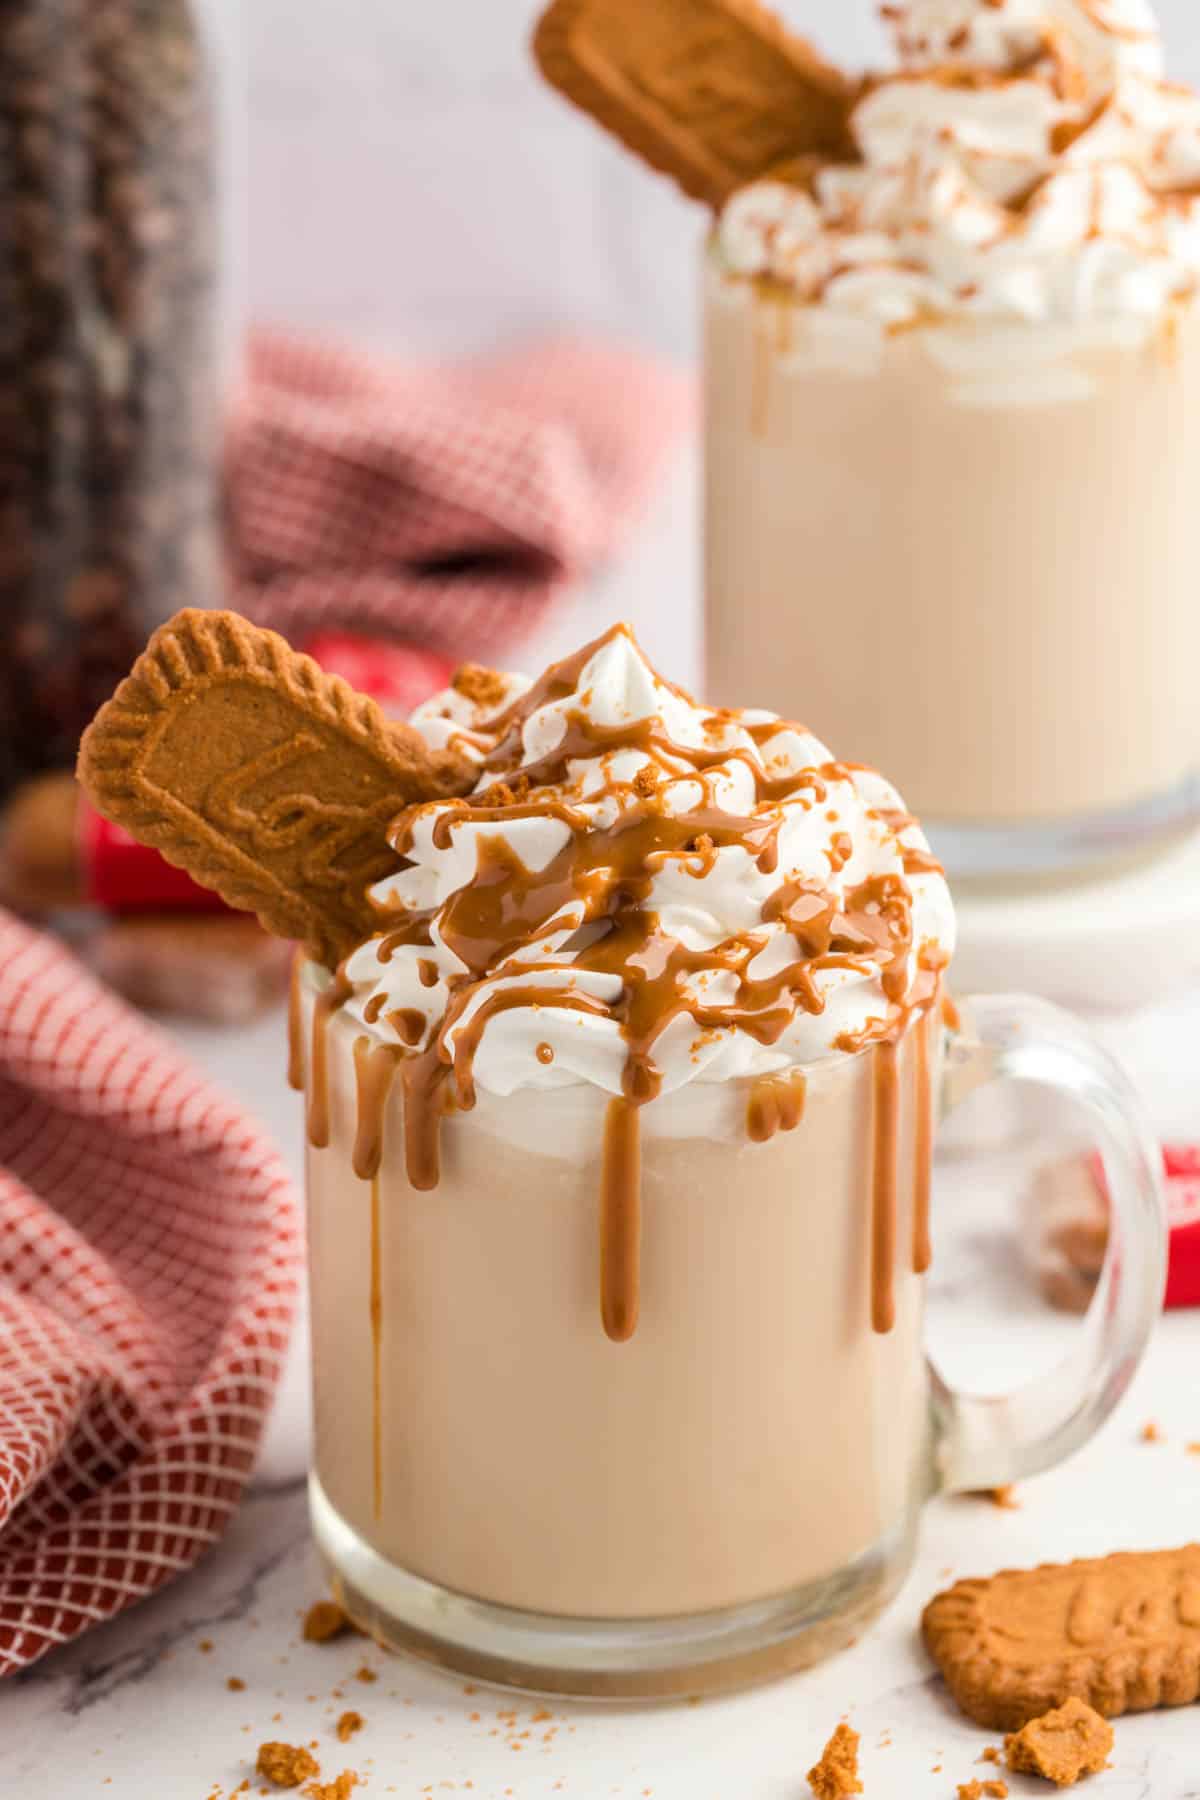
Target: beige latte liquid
[(476, 1426), (999, 536)]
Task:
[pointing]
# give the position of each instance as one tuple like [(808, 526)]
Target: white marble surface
[(138, 1710)]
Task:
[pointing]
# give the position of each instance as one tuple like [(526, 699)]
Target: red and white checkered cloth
[(150, 1259), (446, 504)]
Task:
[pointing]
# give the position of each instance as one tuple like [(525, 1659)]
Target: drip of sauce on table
[(602, 877)]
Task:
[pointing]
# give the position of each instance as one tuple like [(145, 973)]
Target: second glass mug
[(735, 1491), (999, 512)]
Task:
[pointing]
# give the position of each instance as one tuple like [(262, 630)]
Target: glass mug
[(735, 1491), (1007, 510)]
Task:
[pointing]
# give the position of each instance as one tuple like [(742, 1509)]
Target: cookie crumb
[(236, 1685), (514, 791), (340, 1788), (983, 1790), (1062, 1745), (485, 688), (348, 1724), (323, 1621), (647, 780), (365, 1674), (286, 1765), (1153, 1433), (991, 1754), (836, 1775), (205, 1645)]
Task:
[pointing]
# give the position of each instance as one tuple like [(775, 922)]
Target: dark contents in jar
[(107, 391)]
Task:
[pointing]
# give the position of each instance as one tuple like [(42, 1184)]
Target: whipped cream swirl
[(1028, 161), (640, 893)]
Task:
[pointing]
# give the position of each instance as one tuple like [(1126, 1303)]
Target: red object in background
[(397, 676), (1181, 1164), (1181, 1179), (122, 875)]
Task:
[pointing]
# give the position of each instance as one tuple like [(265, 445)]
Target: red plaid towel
[(149, 1264), (447, 504)]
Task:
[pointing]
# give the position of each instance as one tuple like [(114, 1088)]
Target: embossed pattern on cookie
[(711, 92), (1120, 1632), (265, 778)]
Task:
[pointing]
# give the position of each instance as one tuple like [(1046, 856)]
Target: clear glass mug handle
[(985, 1441)]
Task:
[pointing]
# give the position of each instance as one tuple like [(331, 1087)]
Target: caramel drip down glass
[(727, 1485)]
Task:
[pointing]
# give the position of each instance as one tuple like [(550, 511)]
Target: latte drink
[(477, 1426), (620, 1136), (620, 1131)]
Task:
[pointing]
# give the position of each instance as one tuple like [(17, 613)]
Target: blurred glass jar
[(111, 326)]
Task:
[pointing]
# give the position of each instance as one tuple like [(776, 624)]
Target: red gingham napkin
[(444, 503), (149, 1267)]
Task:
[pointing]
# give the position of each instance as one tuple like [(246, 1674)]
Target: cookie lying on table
[(1121, 1633)]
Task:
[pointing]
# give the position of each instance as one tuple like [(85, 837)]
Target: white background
[(411, 182)]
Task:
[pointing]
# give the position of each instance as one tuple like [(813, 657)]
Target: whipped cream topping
[(1027, 161), (641, 893)]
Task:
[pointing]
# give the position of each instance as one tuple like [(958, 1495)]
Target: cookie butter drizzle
[(922, 1249), (374, 1072), (326, 1003), (376, 1310), (920, 1003), (776, 1104), (295, 1064), (602, 878)]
